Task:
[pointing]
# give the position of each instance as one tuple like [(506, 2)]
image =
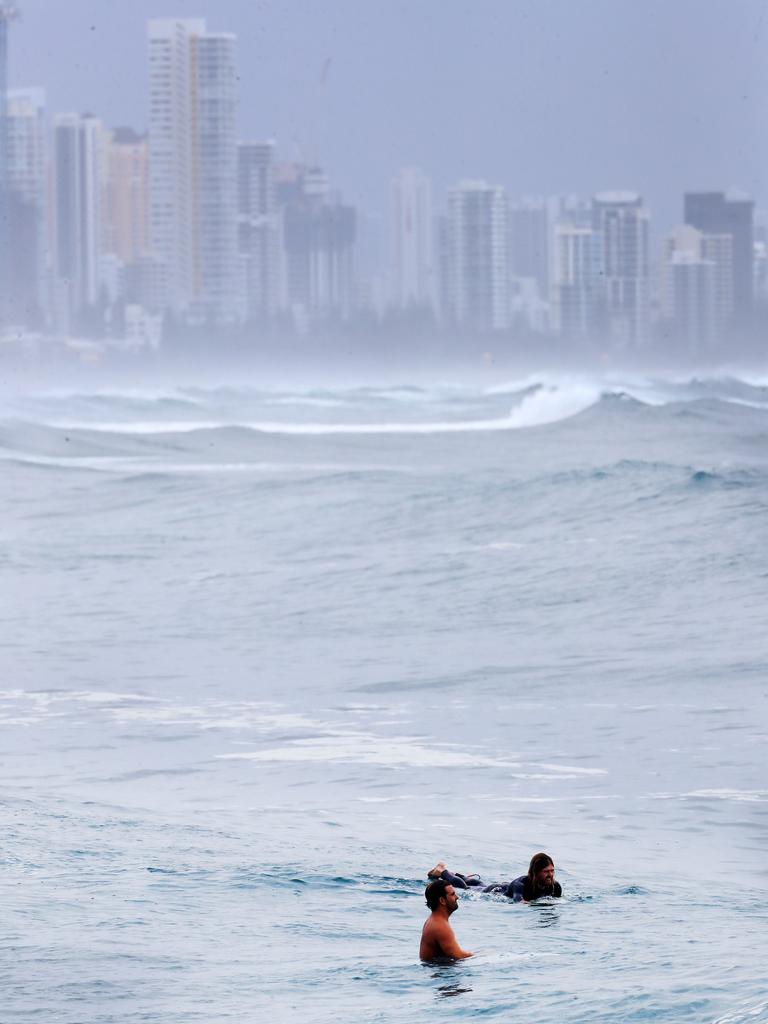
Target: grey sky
[(542, 96)]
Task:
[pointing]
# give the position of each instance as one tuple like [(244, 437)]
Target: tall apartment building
[(7, 14), (77, 163), (476, 289), (697, 299), (576, 282), (413, 249), (715, 214), (258, 228), (125, 195), (318, 239), (26, 170), (193, 168), (622, 222), (219, 296), (172, 157), (692, 311), (693, 302), (529, 238)]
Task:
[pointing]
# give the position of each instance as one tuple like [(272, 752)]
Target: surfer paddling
[(437, 936), (540, 880)]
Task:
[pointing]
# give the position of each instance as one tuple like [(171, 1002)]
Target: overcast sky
[(542, 96)]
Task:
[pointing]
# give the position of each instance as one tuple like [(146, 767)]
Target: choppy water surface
[(268, 654)]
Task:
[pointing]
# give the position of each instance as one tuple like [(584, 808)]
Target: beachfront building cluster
[(186, 229)]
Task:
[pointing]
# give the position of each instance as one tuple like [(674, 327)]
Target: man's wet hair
[(434, 892), (538, 862)]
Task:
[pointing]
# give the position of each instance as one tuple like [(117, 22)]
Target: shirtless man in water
[(437, 938)]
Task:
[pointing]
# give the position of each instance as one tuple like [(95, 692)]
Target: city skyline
[(179, 223), (547, 100)]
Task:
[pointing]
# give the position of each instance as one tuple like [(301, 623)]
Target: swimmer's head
[(441, 890), (541, 871)]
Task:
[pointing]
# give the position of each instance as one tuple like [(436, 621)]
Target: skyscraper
[(476, 258), (77, 216), (714, 214), (258, 232), (8, 12), (218, 296), (26, 171), (193, 168), (693, 307), (576, 281), (529, 242), (172, 129), (125, 199), (318, 236), (413, 252), (621, 221)]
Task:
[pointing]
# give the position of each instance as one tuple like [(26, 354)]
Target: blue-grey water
[(268, 653)]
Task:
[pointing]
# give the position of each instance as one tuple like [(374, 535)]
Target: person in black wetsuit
[(540, 880)]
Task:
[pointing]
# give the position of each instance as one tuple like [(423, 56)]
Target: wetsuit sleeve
[(516, 890), (457, 881), (558, 889)]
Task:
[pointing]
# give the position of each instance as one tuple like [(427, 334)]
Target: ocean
[(268, 653)]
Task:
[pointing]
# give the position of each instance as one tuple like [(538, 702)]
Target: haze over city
[(357, 144)]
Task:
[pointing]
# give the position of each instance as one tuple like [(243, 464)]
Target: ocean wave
[(753, 1014), (538, 408), (649, 391), (138, 468), (733, 478), (221, 450), (86, 433)]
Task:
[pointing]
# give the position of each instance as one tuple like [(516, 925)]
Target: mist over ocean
[(267, 654)]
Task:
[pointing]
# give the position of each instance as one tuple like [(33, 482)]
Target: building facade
[(258, 228), (714, 214), (622, 224), (476, 260), (413, 249), (77, 161), (318, 234), (577, 254), (7, 14), (218, 297), (26, 208), (125, 195), (529, 241), (193, 169)]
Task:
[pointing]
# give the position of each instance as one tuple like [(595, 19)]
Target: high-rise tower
[(258, 228), (172, 154), (193, 167), (77, 158), (715, 214), (621, 220), (529, 232), (476, 260), (412, 241), (575, 281), (8, 12), (318, 233), (26, 171), (125, 195)]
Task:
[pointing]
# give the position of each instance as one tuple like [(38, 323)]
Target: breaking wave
[(65, 426)]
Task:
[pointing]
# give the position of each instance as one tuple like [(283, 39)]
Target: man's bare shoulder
[(438, 939)]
